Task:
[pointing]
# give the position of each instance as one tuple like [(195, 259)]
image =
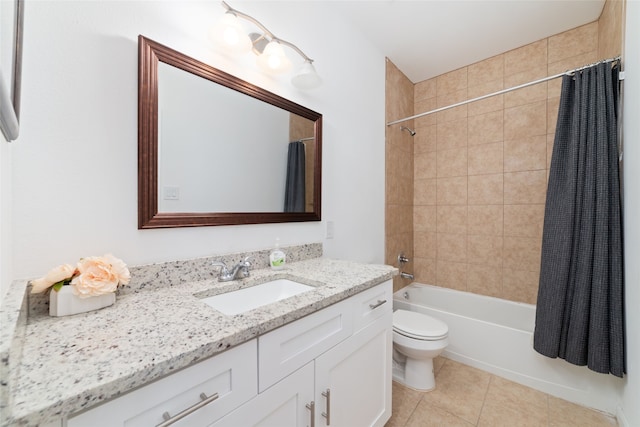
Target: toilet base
[(415, 373)]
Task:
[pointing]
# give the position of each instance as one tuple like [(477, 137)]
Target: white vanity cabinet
[(330, 368), (232, 376)]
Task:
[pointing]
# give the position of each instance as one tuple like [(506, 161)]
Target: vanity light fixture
[(271, 56)]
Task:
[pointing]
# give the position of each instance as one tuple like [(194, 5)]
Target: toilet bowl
[(417, 340)]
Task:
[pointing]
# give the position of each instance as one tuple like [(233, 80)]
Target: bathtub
[(496, 335)]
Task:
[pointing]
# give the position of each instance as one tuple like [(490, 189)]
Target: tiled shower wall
[(399, 172), (480, 170)]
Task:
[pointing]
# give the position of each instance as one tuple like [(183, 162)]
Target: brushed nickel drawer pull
[(312, 407), (378, 304), (327, 414), (168, 419)]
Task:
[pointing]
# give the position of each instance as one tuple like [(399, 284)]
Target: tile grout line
[(484, 400)]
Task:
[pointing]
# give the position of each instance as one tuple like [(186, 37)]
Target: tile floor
[(466, 397)]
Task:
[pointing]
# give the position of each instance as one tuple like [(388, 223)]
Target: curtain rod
[(569, 72), (304, 139)]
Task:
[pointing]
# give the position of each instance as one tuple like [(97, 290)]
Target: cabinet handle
[(312, 407), (168, 419), (378, 304), (327, 414)]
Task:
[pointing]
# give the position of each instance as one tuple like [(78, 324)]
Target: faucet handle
[(247, 261), (222, 265)]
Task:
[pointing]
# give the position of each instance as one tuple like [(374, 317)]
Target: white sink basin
[(236, 302)]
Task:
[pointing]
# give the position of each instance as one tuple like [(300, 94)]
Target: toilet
[(417, 340)]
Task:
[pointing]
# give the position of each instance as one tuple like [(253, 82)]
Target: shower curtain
[(579, 314), (295, 182)]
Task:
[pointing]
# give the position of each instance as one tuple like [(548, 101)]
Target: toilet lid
[(419, 325)]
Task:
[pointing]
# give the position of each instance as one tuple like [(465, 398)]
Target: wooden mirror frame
[(149, 54)]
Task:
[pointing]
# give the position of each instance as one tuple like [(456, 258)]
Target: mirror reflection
[(216, 150)]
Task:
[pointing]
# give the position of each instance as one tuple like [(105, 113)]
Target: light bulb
[(306, 77), (273, 59), (229, 34)]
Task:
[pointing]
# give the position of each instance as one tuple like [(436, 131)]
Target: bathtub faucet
[(406, 275)]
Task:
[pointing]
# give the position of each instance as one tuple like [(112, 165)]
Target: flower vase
[(64, 302)]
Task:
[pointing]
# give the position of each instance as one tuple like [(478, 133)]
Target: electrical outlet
[(330, 230)]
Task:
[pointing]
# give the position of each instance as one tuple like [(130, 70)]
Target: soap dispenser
[(277, 258)]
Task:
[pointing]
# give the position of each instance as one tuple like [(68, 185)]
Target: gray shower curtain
[(579, 314), (295, 183)]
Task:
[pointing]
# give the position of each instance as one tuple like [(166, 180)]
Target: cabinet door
[(357, 375), (282, 405)]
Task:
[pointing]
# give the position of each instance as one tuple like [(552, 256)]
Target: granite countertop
[(67, 364)]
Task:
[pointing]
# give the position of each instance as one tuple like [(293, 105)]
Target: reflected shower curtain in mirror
[(579, 313), (295, 184)]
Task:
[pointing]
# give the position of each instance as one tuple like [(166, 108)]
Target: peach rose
[(58, 274), (99, 276)]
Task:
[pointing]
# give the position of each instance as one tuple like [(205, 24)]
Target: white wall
[(631, 112), (75, 164)]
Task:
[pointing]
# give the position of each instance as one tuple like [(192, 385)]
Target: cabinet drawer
[(291, 346), (372, 304), (232, 374)]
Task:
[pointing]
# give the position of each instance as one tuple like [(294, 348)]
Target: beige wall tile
[(451, 247), (485, 280), (525, 58), (423, 106), (452, 219), (424, 165), (424, 244), (523, 220), (525, 187), (452, 162), (452, 275), (425, 139), (485, 250), (425, 89), (574, 60), (485, 220), (573, 42), (485, 189), (452, 134), (424, 270), (520, 285), (485, 128), (452, 81), (525, 154), (401, 218), (522, 253), (486, 71), (492, 103), (528, 94), (526, 120), (447, 100), (485, 159), (424, 218), (452, 191), (610, 29), (424, 192)]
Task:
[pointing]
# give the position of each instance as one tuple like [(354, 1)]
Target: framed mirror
[(11, 29), (216, 150)]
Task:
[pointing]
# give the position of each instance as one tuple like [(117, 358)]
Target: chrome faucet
[(239, 271)]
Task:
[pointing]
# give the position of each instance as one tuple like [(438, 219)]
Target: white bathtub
[(496, 335)]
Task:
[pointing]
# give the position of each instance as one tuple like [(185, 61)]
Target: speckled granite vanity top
[(69, 363)]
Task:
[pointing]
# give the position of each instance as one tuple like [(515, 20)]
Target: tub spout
[(406, 275)]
